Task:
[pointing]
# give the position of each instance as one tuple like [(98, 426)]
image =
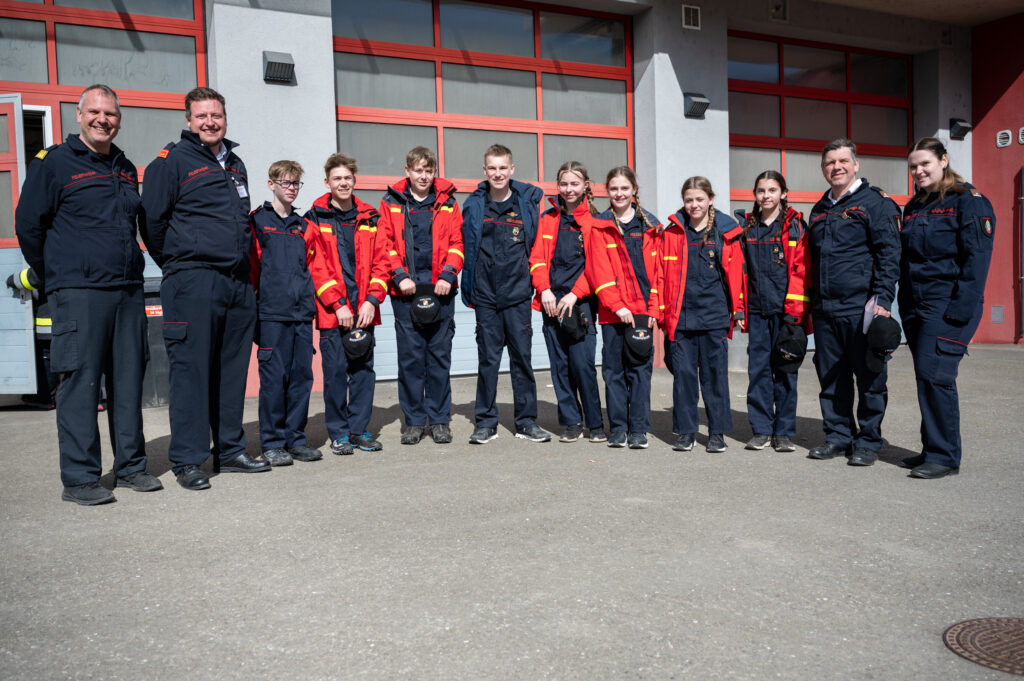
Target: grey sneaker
[(441, 433), (684, 443), (781, 443), (341, 446), (483, 434), (716, 443), (571, 434), (534, 433), (305, 453), (638, 440), (366, 442), (617, 439), (140, 481), (758, 442), (89, 494), (278, 457), (412, 435), (598, 435)]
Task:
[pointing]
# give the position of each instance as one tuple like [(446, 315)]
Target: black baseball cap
[(790, 348), (884, 337), (358, 344), (639, 345), (426, 308)]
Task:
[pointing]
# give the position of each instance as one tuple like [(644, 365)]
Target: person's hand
[(650, 322), (625, 316), (367, 311), (548, 302), (345, 317), (566, 304), (881, 311), (442, 288), (406, 287)]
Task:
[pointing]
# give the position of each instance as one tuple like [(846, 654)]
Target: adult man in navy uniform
[(197, 229), (76, 225), (855, 248)]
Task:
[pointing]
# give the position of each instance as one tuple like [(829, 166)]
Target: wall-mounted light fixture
[(958, 128), (695, 104), (278, 67)]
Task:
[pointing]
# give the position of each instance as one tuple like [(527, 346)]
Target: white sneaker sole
[(480, 441)]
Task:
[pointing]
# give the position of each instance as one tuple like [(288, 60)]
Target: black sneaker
[(534, 433), (278, 457), (89, 494), (305, 453), (598, 435), (716, 443), (684, 443), (140, 481), (571, 434), (781, 443), (617, 439), (638, 440), (366, 442), (412, 435), (441, 433), (342, 446), (758, 442), (483, 434)]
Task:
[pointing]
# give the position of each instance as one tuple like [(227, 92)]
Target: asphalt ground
[(516, 560)]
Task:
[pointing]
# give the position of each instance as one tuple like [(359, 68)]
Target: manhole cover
[(995, 642)]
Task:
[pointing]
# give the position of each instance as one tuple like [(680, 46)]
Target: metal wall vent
[(1003, 138), (1020, 136), (691, 17)]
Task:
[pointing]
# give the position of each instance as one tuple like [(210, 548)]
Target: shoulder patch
[(42, 153), (986, 224), (975, 192), (163, 153)]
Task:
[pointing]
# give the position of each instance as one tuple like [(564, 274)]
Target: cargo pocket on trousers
[(175, 332), (948, 355), (64, 347), (264, 354)]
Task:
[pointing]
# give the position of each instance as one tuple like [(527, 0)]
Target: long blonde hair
[(581, 170)]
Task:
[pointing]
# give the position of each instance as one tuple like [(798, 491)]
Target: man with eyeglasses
[(196, 199), (76, 224), (285, 309)]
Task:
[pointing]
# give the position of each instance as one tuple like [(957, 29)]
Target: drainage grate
[(994, 642)]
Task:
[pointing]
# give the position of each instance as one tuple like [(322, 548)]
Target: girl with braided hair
[(568, 304), (700, 286), (775, 295), (621, 246)]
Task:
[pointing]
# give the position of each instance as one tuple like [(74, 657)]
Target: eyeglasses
[(288, 184)]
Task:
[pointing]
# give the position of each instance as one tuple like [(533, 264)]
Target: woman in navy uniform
[(947, 246)]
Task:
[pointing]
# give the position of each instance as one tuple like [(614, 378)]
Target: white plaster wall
[(273, 121)]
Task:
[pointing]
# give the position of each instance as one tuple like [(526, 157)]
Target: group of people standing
[(231, 276)]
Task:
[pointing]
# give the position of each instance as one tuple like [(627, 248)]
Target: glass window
[(813, 67), (384, 82), (144, 132), (751, 114), (803, 172), (878, 75), (573, 37), (22, 51), (464, 152), (888, 172), (815, 119), (483, 91), (745, 164), (474, 27), (175, 9), (132, 60), (598, 155), (5, 142), (380, 149), (394, 21), (879, 125), (6, 206), (577, 99), (756, 60)]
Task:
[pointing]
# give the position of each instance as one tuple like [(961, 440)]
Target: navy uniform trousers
[(209, 318), (510, 327), (771, 395), (937, 348), (99, 332), (424, 363), (627, 388), (839, 351), (699, 358), (574, 375), (348, 386), (285, 354)]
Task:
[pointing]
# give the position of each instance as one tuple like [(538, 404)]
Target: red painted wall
[(997, 74)]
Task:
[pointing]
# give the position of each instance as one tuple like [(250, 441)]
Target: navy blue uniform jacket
[(473, 221), (77, 218), (195, 216), (280, 273), (855, 251)]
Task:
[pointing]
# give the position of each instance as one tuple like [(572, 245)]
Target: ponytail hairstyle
[(627, 172), (581, 170), (704, 185), (755, 216), (951, 180)]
